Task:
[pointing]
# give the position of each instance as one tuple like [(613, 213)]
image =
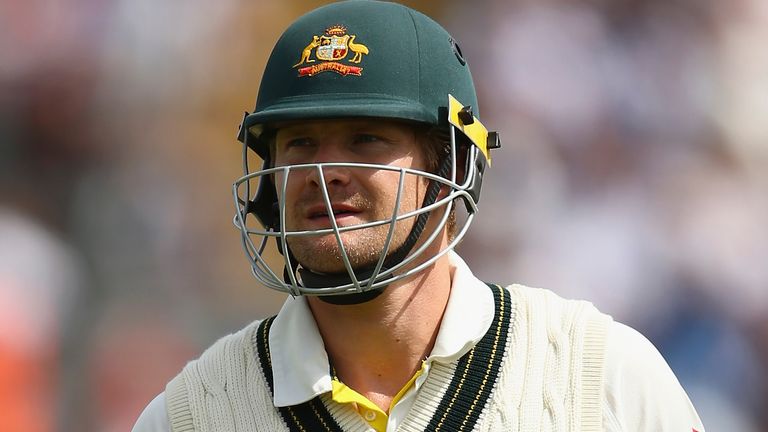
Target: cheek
[(387, 182), (295, 179), (414, 190), (277, 180)]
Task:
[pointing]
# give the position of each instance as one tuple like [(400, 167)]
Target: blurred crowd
[(633, 173)]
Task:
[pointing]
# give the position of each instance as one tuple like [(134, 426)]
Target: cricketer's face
[(358, 195)]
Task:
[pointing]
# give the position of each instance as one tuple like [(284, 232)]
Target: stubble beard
[(363, 247)]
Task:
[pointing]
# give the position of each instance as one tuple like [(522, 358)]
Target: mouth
[(339, 211)]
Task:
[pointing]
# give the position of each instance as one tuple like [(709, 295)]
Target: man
[(370, 144)]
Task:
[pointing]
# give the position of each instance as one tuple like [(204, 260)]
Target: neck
[(377, 346)]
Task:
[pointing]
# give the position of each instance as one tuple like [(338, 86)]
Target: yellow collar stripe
[(341, 393)]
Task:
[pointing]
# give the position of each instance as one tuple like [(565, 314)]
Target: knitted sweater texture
[(545, 373)]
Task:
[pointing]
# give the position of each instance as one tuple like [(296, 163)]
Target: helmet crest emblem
[(330, 49)]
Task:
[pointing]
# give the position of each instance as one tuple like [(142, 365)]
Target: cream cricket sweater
[(538, 368)]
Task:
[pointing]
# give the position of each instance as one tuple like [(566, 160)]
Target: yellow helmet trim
[(475, 131)]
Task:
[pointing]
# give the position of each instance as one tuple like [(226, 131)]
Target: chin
[(329, 260), (327, 263)]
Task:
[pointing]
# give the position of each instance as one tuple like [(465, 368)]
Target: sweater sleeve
[(154, 418), (641, 391)]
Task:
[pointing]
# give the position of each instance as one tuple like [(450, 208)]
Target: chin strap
[(311, 279)]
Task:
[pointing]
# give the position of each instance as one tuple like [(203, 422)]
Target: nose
[(330, 175)]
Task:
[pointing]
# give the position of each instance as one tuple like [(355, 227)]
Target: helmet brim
[(340, 106)]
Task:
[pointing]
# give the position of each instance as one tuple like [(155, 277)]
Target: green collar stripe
[(261, 339), (476, 373), (309, 416)]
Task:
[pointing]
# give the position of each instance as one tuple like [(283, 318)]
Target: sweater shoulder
[(226, 360), (549, 305), (552, 375), (529, 293), (224, 389)]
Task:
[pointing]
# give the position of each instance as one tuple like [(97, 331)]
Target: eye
[(366, 138), (297, 142)]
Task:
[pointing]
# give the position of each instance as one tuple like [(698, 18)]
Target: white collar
[(300, 364)]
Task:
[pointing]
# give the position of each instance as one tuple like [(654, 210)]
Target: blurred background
[(633, 173)]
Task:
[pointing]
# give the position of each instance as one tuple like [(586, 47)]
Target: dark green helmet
[(363, 58)]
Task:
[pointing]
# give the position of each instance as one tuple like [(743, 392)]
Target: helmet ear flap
[(264, 204), (476, 182)]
